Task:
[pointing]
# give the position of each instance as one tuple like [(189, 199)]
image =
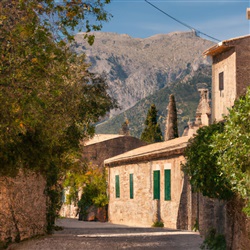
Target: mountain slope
[(136, 68), (187, 98)]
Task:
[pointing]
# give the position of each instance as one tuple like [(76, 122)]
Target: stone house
[(147, 185), (95, 151), (230, 73), (103, 146)]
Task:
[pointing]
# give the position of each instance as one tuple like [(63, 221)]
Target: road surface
[(106, 236)]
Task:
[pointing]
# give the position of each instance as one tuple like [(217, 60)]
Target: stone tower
[(203, 111)]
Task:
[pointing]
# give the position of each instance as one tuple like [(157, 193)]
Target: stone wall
[(226, 218), (98, 152), (242, 65), (234, 61), (143, 209), (223, 99), (22, 207)]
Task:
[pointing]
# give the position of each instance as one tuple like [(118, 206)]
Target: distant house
[(230, 73), (95, 151), (103, 146)]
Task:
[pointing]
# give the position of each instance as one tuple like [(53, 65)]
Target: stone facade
[(230, 73), (184, 210), (22, 207), (226, 218), (143, 209)]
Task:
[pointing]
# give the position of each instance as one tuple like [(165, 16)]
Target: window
[(167, 179), (131, 186), (156, 184), (117, 186), (221, 81)]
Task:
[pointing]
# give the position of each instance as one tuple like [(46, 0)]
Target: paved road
[(106, 236)]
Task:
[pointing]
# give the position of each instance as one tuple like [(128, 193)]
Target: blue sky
[(219, 19)]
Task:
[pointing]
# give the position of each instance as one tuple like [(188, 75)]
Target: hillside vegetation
[(187, 98)]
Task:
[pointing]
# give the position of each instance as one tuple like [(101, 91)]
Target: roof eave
[(168, 152), (217, 49)]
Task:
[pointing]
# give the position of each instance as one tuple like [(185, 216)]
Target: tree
[(152, 131), (63, 18), (125, 128), (233, 148), (48, 99), (206, 176), (171, 130)]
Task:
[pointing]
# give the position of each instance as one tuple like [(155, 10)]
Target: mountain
[(137, 68), (186, 96)]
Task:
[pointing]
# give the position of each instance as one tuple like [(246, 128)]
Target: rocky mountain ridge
[(136, 68)]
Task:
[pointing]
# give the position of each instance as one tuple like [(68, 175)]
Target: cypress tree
[(171, 130), (152, 132)]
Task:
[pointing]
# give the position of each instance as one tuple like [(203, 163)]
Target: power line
[(182, 23)]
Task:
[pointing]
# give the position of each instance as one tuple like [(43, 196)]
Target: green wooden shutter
[(117, 186), (167, 175), (131, 186), (157, 184)]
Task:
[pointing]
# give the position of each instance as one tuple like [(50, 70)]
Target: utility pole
[(248, 13)]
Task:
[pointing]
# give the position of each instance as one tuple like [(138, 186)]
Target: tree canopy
[(171, 131), (233, 148), (152, 131), (218, 158), (49, 101), (48, 98), (201, 164)]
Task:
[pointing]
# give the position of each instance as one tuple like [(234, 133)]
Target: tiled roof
[(152, 150), (222, 46), (100, 138)]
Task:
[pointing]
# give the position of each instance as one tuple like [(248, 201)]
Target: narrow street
[(95, 235)]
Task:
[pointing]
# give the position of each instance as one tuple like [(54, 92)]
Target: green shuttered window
[(156, 184), (117, 186), (131, 186), (167, 177)]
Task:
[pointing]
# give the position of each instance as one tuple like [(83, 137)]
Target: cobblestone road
[(106, 236)]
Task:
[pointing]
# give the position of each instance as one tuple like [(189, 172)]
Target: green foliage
[(63, 18), (206, 176), (92, 182), (196, 226), (233, 147), (158, 224), (48, 99), (214, 241), (171, 131), (152, 131), (125, 128)]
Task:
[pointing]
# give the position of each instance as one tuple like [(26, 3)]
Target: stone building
[(104, 146), (147, 185), (230, 73), (95, 151)]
